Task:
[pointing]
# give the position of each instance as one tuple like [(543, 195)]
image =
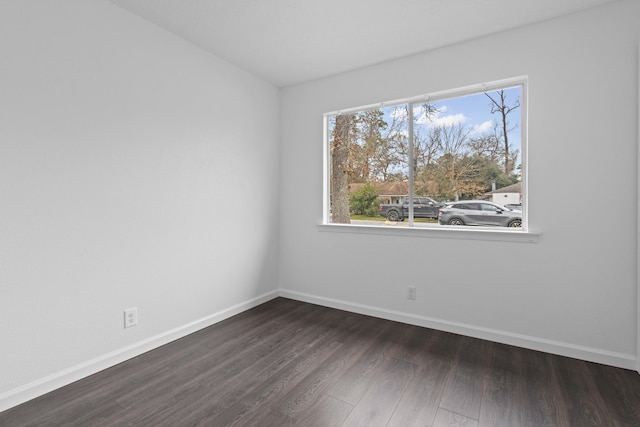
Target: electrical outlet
[(411, 293), (131, 317)]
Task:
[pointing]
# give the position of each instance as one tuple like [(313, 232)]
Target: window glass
[(384, 161), (488, 207)]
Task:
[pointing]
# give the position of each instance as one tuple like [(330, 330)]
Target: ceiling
[(292, 41)]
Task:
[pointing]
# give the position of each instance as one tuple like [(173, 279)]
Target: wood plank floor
[(288, 363)]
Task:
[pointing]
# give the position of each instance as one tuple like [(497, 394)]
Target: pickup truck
[(423, 207)]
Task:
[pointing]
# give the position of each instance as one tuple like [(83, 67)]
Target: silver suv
[(479, 212)]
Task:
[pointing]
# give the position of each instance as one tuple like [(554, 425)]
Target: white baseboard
[(52, 382), (625, 361)]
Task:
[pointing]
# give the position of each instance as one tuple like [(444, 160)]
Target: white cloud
[(442, 120), (455, 119), (482, 128)]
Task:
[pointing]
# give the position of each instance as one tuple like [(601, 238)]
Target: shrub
[(364, 201)]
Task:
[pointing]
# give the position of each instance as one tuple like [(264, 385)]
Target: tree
[(399, 142), (364, 201), (340, 169), (373, 159), (486, 146), (461, 165), (453, 140), (499, 105), (450, 159)]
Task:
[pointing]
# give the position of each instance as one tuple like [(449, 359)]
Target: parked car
[(423, 207), (479, 212)]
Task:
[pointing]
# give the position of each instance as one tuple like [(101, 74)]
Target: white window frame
[(525, 234)]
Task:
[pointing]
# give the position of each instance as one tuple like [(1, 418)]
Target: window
[(488, 207), (401, 163)]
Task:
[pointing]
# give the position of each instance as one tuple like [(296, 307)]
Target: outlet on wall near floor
[(411, 293), (130, 317)]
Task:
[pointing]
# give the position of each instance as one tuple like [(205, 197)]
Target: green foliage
[(364, 201)]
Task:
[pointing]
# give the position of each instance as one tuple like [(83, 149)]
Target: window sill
[(436, 231)]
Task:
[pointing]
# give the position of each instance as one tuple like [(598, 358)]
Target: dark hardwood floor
[(287, 363)]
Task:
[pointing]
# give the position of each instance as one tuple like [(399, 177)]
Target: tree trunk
[(502, 108), (339, 170), (505, 133)]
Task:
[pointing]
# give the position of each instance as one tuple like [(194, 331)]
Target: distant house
[(511, 194), (388, 192)]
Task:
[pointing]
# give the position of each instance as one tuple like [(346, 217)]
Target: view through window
[(448, 160)]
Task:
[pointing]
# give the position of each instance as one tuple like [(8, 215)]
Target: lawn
[(382, 219)]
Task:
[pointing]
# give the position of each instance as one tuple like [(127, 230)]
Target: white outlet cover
[(130, 317)]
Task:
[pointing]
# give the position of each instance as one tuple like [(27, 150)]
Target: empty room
[(340, 213)]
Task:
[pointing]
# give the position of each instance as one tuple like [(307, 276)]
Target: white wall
[(126, 159), (573, 292)]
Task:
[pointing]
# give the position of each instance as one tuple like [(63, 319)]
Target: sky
[(474, 111)]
